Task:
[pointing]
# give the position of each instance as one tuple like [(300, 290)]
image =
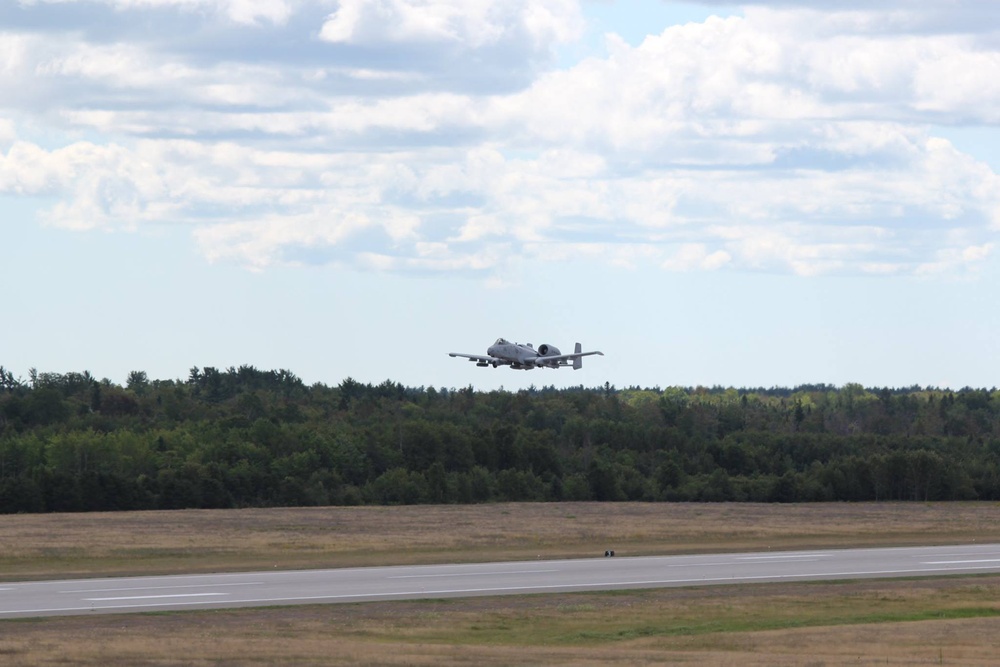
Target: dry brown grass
[(813, 624), (80, 545), (861, 623)]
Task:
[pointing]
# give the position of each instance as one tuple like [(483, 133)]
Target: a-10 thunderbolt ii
[(526, 357)]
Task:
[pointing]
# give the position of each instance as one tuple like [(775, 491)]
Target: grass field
[(953, 621), (36, 546)]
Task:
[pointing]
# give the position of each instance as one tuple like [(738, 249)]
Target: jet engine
[(547, 350)]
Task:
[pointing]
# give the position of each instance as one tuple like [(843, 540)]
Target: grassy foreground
[(929, 622), (36, 546), (953, 621)]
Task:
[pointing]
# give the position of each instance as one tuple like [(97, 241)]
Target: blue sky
[(744, 194)]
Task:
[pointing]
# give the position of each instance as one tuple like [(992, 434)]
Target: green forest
[(243, 437)]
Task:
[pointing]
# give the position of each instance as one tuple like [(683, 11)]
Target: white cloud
[(7, 132), (239, 11), (953, 259), (423, 135), (693, 256), (470, 23), (254, 11), (259, 243), (955, 80)]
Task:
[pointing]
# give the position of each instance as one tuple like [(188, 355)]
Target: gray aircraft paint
[(526, 357)]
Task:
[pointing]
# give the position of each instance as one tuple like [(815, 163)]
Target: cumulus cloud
[(469, 23), (7, 132), (437, 135), (239, 11), (692, 256)]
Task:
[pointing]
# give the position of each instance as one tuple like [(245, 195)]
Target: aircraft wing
[(480, 358)]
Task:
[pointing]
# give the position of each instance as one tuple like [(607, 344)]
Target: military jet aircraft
[(526, 357)]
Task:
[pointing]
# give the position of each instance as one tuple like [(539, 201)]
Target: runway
[(250, 589)]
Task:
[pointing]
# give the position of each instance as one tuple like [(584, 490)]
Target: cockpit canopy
[(501, 341)]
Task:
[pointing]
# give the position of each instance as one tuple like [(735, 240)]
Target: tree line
[(243, 437)]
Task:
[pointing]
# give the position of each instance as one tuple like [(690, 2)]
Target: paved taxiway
[(136, 594)]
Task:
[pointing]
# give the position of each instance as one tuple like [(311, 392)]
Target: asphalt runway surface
[(291, 587)]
